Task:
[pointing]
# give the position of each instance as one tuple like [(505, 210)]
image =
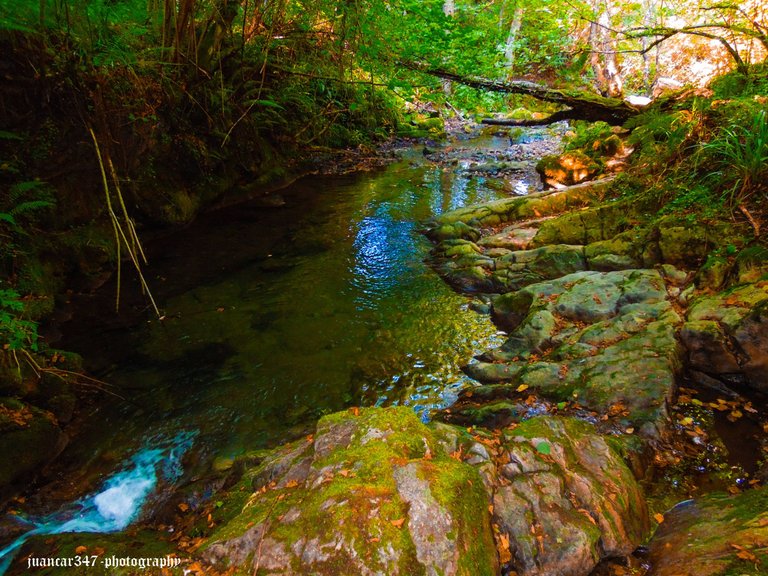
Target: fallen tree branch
[(582, 104), (567, 114)]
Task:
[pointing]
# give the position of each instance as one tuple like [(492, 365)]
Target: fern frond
[(30, 206)]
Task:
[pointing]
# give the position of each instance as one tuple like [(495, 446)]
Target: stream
[(274, 316)]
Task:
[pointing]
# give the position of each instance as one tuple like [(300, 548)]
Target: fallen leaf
[(521, 388), (743, 553), (658, 517), (586, 513), (183, 506), (504, 554), (397, 523), (735, 415), (291, 484), (81, 550)]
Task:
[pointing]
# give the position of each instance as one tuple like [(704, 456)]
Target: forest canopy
[(615, 47)]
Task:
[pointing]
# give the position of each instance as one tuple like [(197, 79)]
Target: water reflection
[(277, 317)]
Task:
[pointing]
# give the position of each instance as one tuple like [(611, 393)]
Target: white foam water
[(120, 499)]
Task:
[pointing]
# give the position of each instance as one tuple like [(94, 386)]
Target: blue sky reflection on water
[(291, 313)]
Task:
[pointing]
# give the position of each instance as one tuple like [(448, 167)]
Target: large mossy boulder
[(716, 535), (375, 491), (605, 339), (567, 501), (372, 492)]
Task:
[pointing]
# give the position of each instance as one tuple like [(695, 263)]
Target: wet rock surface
[(378, 492), (606, 339), (372, 493), (715, 535), (567, 500)]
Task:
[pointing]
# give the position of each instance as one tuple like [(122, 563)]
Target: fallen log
[(580, 104)]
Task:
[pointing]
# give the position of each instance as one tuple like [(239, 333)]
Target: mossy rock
[(374, 491), (752, 264), (567, 500), (727, 333), (596, 224), (716, 535), (605, 338)]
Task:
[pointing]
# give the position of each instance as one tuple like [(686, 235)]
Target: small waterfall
[(120, 499)]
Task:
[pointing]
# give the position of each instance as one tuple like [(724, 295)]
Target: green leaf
[(5, 135), (544, 448)]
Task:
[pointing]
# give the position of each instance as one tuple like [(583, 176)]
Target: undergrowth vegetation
[(706, 156)]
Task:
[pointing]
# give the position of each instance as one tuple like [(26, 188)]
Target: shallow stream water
[(273, 317)]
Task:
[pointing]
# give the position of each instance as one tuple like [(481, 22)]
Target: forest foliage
[(224, 91)]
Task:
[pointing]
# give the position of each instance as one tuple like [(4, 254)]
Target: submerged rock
[(716, 535)]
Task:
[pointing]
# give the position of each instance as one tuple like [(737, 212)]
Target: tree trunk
[(449, 9), (603, 56), (509, 46)]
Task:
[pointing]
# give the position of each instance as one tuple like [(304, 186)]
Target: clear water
[(118, 502), (273, 318)]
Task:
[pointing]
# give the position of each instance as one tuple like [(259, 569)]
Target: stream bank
[(592, 303)]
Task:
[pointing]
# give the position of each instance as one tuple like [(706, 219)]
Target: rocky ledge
[(534, 471), (375, 491)]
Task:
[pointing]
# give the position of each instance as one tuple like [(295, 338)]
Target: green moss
[(459, 488)]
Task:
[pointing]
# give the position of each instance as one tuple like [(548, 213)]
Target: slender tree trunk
[(603, 57), (449, 9), (509, 46)]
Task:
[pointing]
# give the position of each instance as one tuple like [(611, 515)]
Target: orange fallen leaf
[(658, 517), (397, 523), (291, 484), (183, 506), (81, 550), (504, 553), (746, 555)]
